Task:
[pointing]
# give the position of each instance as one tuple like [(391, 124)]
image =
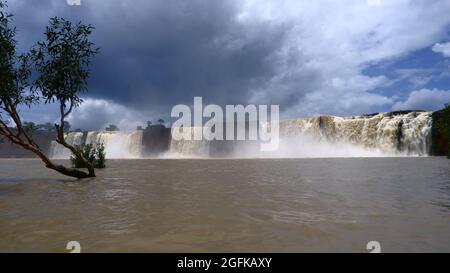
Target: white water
[(189, 148), (58, 151), (118, 144), (384, 134)]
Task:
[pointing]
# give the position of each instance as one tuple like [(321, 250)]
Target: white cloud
[(374, 2), (444, 49), (328, 44), (92, 114), (331, 42), (97, 114), (424, 99)]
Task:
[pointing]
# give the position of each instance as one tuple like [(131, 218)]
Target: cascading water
[(118, 144), (380, 134), (197, 148), (383, 134), (58, 151)]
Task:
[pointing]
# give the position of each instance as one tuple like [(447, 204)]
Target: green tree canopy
[(60, 66)]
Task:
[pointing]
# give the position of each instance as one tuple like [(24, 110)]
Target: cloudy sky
[(310, 57)]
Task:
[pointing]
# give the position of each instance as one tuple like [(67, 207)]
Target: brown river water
[(229, 205)]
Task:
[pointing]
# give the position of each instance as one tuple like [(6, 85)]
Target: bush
[(100, 157), (95, 155)]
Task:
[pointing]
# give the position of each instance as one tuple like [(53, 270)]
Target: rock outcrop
[(440, 133)]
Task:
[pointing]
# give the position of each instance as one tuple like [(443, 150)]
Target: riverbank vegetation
[(94, 154)]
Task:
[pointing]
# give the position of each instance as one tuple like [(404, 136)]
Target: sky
[(312, 57)]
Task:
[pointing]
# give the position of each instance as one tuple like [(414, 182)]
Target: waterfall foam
[(118, 144), (189, 148), (380, 134), (406, 133), (383, 134), (58, 151)]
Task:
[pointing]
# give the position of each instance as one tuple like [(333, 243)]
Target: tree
[(161, 121), (149, 123), (139, 128), (30, 127), (61, 65), (112, 128), (66, 126), (46, 127)]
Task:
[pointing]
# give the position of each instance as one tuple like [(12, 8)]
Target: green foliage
[(100, 157), (46, 127), (30, 127), (95, 155), (112, 128), (54, 70), (14, 69), (62, 61)]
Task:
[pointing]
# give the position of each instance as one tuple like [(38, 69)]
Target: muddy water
[(258, 205)]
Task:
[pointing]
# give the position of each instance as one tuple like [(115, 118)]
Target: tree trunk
[(72, 172), (60, 139), (29, 144)]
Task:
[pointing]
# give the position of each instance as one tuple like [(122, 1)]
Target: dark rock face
[(440, 132), (155, 140), (400, 136), (10, 150)]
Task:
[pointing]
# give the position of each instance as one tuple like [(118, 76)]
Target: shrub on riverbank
[(95, 155)]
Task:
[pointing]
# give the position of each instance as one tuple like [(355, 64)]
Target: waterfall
[(118, 144), (405, 133), (396, 133), (58, 151), (196, 148)]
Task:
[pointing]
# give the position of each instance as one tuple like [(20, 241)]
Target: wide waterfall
[(383, 134), (118, 144), (405, 133)]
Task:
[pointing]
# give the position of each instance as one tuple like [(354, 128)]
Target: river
[(229, 205)]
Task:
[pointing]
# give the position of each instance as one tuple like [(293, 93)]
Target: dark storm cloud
[(160, 53), (309, 57)]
